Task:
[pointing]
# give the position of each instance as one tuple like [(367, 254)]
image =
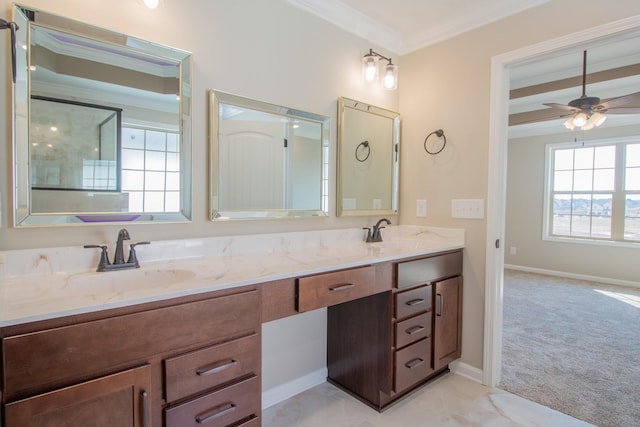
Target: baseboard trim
[(285, 391), (568, 275), (464, 370)]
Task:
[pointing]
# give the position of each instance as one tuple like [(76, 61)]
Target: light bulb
[(589, 125), (390, 79), (569, 124), (580, 119), (599, 118), (370, 68)]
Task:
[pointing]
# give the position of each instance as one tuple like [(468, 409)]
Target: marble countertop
[(49, 283)]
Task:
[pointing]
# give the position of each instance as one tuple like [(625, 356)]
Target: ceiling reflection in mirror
[(101, 125), (368, 159), (268, 161)]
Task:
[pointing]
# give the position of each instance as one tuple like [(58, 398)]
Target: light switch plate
[(377, 203), (421, 208), (467, 208)]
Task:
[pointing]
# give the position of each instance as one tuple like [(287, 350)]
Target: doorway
[(499, 111)]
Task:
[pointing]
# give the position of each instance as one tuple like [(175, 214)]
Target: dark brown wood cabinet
[(152, 365), (381, 347), (197, 360), (120, 399), (448, 322)]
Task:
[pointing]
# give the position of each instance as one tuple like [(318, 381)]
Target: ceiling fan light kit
[(588, 112)]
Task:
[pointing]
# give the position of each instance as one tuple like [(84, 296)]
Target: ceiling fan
[(588, 112)]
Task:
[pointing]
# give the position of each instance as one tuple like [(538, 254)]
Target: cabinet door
[(448, 322), (116, 400)]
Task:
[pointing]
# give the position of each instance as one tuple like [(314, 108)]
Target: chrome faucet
[(373, 234), (118, 257)]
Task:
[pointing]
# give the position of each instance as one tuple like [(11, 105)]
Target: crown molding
[(480, 14), (362, 25), (353, 21)]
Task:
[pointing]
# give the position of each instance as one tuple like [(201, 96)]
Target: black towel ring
[(366, 145), (13, 27), (436, 147)]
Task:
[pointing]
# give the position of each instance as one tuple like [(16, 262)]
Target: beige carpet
[(573, 346)]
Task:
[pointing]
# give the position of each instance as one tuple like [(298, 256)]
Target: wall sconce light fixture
[(371, 70)]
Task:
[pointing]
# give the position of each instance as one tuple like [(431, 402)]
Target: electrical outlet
[(512, 250), (421, 208), (467, 208), (377, 203)]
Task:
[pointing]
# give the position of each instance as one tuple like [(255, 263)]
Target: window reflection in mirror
[(368, 153), (75, 162), (267, 161)]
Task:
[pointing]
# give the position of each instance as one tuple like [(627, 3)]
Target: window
[(151, 169), (593, 191)]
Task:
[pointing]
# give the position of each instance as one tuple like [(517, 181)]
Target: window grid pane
[(146, 156), (583, 186), (632, 218)]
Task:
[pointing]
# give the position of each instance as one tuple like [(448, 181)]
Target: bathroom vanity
[(193, 359)]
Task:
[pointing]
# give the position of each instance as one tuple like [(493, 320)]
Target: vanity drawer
[(323, 290), (220, 408), (413, 329), (412, 302), (210, 367), (428, 270), (60, 356), (413, 364)]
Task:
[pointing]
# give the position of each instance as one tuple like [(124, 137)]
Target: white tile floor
[(450, 400)]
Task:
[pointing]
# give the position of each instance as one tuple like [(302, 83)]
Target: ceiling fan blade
[(616, 102), (561, 106), (536, 116), (631, 110)]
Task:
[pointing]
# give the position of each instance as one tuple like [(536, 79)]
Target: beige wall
[(262, 49), (525, 199), (448, 86), (307, 65)]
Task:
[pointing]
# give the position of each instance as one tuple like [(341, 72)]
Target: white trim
[(353, 21), (497, 174), (287, 390), (566, 274), (473, 16), (467, 371)]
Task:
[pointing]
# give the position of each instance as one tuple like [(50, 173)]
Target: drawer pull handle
[(144, 397), (414, 362), (414, 330), (342, 287), (215, 413), (415, 301), (216, 367)]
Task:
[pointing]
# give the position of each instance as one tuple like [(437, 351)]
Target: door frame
[(497, 176)]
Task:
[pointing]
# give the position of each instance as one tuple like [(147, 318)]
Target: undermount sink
[(127, 280)]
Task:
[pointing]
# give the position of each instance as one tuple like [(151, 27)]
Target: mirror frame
[(22, 214), (216, 214), (347, 103)]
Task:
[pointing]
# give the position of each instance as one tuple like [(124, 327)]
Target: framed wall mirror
[(368, 159), (267, 161), (102, 126)]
